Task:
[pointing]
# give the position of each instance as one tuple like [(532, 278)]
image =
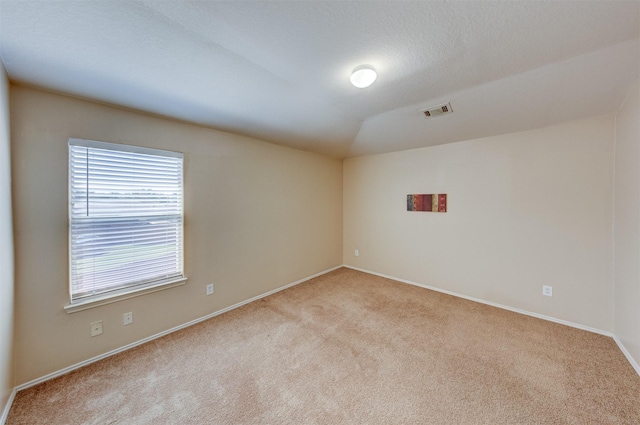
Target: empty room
[(319, 212)]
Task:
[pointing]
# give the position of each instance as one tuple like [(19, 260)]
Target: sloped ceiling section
[(279, 71)]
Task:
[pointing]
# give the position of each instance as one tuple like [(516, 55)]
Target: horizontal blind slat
[(125, 213)]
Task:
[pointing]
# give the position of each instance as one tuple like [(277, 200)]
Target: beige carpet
[(351, 348)]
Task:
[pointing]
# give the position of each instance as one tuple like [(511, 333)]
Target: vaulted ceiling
[(279, 71)]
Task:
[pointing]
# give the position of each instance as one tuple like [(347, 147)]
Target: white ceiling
[(279, 71)]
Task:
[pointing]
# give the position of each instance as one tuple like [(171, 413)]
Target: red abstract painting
[(433, 203)]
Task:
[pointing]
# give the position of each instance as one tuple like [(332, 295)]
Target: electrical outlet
[(547, 290), (127, 318), (96, 328), (210, 289), (356, 253)]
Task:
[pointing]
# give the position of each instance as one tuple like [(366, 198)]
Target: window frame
[(134, 289)]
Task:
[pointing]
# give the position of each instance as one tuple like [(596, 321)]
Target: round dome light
[(363, 77)]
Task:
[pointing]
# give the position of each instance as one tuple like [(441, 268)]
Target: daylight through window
[(125, 218)]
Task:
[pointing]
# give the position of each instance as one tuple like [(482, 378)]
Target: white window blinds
[(125, 218)]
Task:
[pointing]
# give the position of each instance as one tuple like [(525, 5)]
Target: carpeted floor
[(351, 348)]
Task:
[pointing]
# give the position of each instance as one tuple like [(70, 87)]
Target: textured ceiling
[(279, 71)]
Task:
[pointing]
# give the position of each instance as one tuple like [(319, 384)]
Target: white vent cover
[(437, 111)]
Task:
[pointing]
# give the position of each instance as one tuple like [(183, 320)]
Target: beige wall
[(524, 209), (627, 225), (6, 248), (257, 216)]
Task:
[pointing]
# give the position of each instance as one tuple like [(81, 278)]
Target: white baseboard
[(7, 407), (266, 294), (161, 334), (479, 300), (626, 353)]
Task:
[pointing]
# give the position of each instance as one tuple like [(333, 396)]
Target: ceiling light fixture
[(363, 76)]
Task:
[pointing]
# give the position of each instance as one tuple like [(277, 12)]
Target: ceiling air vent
[(437, 111)]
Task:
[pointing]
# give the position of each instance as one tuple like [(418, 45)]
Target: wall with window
[(6, 248), (626, 252), (257, 216)]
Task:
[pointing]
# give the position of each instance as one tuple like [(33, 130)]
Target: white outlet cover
[(210, 289), (96, 328), (357, 253), (547, 290), (127, 318)]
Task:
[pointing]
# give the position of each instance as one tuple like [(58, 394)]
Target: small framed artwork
[(432, 203)]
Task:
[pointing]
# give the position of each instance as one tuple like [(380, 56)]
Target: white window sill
[(122, 295)]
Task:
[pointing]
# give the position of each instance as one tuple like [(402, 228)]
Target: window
[(125, 219)]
